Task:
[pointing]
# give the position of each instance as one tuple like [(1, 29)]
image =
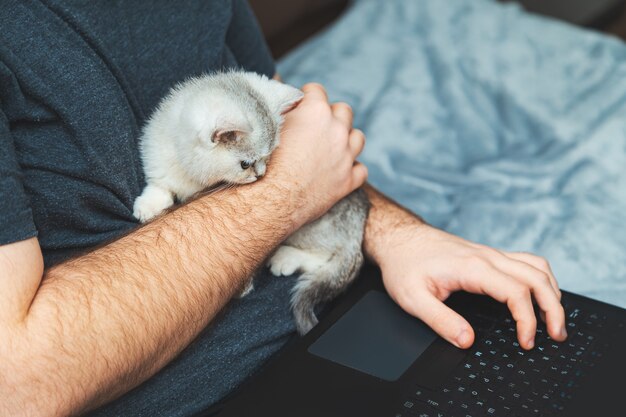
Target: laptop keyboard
[(499, 378)]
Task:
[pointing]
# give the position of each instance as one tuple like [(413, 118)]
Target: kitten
[(208, 130), (222, 128)]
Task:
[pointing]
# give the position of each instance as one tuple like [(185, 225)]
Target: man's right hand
[(316, 159)]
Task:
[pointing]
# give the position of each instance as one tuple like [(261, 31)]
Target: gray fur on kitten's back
[(222, 128), (327, 252)]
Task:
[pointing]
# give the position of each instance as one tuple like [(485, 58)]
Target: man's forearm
[(128, 308)]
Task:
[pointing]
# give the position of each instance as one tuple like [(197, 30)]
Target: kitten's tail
[(323, 284)]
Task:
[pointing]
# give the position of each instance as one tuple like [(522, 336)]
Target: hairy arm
[(90, 329), (103, 322)]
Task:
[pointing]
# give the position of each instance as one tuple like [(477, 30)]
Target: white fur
[(178, 148), (287, 260), (152, 201)]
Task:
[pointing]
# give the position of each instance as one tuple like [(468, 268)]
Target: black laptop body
[(367, 358)]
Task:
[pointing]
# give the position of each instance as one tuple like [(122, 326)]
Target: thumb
[(442, 319)]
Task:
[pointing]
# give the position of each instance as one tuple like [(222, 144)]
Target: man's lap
[(238, 341)]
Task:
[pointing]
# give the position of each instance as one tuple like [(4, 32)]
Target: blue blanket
[(503, 127)]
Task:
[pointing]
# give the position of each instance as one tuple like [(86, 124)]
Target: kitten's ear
[(281, 97), (221, 131), (227, 135), (286, 97)]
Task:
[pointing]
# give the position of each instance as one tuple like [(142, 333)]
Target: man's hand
[(422, 266), (317, 154)]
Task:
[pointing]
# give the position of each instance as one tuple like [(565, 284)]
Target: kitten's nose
[(259, 168)]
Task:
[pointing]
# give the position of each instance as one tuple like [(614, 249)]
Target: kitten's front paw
[(152, 202), (145, 210), (285, 261)]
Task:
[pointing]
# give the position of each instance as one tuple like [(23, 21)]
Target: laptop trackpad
[(375, 337)]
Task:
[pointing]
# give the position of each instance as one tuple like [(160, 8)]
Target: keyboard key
[(556, 406), (434, 400), (462, 409), (558, 373), (583, 338), (420, 393), (463, 412), (429, 413), (529, 410), (548, 385), (419, 410), (574, 315), (553, 349)]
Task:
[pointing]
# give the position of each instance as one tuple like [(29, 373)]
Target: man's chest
[(86, 76), (149, 46)]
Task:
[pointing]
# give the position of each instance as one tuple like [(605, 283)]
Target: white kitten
[(213, 129)]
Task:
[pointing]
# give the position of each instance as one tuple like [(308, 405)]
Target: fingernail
[(531, 343), (563, 333), (463, 339)]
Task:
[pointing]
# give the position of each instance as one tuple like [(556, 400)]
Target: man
[(94, 308)]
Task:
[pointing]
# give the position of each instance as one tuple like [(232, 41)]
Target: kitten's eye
[(245, 164)]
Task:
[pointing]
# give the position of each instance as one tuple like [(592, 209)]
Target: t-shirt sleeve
[(246, 41), (16, 217)]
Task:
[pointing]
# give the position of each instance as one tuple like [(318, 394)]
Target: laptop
[(367, 358)]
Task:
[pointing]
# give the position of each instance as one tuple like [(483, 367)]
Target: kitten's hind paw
[(288, 260), (285, 261), (152, 202)]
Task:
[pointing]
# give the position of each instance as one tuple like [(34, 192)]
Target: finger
[(314, 90), (539, 263), (539, 283), (359, 175), (356, 142), (521, 307), (504, 288), (443, 320), (343, 112)]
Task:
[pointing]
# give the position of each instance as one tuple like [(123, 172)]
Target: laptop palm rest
[(375, 337)]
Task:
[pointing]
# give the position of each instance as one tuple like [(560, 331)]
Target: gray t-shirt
[(77, 81)]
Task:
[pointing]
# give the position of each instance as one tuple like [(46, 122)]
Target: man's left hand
[(422, 266)]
